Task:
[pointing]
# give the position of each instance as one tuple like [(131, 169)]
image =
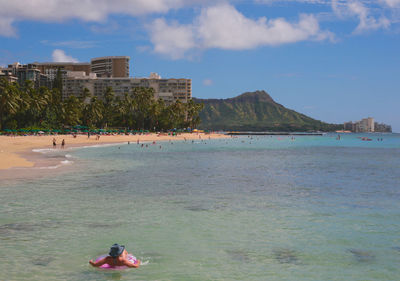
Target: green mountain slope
[(256, 111)]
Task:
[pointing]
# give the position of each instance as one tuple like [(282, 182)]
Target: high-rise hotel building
[(98, 75), (113, 66)]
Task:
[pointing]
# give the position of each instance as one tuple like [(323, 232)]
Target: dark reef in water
[(196, 209), (397, 248), (361, 255), (286, 256), (42, 261), (239, 255)]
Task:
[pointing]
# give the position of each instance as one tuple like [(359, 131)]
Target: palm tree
[(143, 99), (193, 111), (9, 100), (108, 109), (177, 114), (156, 111), (37, 101), (93, 112), (71, 111), (125, 109), (85, 96)]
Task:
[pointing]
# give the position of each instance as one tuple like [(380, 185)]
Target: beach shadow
[(362, 256)]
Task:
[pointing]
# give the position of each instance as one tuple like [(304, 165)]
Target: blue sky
[(333, 60)]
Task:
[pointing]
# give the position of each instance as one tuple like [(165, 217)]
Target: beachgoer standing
[(54, 143), (62, 143)]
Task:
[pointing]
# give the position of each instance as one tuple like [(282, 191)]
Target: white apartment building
[(169, 90)]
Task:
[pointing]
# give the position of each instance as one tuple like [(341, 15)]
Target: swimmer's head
[(116, 250)]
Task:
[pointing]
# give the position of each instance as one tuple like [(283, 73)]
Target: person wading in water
[(118, 256)]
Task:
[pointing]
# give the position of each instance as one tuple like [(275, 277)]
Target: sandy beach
[(16, 152)]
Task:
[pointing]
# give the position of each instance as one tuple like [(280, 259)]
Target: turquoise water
[(261, 208)]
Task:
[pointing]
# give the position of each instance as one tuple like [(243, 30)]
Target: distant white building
[(366, 125)]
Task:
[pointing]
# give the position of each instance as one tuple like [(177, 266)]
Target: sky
[(333, 60)]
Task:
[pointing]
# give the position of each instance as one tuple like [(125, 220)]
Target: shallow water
[(261, 208)]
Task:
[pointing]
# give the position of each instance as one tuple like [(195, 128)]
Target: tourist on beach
[(117, 256), (54, 142), (62, 143)]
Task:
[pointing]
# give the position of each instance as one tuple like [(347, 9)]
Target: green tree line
[(24, 107)]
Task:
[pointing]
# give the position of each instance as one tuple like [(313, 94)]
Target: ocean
[(245, 208)]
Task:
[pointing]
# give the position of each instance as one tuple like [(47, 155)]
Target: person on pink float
[(117, 257)]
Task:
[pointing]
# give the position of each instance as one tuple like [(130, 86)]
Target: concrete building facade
[(111, 66), (366, 125), (169, 90), (98, 75), (51, 68), (20, 73)]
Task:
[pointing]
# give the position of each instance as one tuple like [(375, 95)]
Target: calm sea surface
[(261, 208)]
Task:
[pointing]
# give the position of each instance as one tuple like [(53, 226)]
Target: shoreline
[(18, 155)]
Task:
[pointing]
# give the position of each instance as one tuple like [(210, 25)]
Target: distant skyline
[(333, 60)]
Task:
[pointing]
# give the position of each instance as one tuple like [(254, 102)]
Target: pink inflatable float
[(113, 267)]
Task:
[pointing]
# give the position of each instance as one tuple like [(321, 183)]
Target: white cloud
[(60, 56), (359, 9), (172, 40), (6, 28), (224, 27), (391, 3), (87, 10), (367, 22)]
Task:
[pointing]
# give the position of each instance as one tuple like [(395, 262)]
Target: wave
[(44, 150), (102, 145), (62, 163)]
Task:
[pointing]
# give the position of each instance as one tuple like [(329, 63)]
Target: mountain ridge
[(256, 111)]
